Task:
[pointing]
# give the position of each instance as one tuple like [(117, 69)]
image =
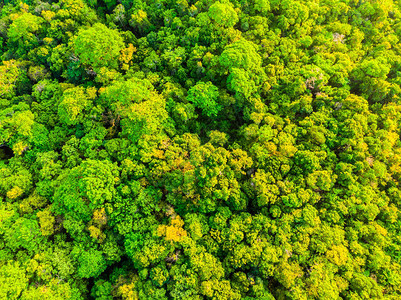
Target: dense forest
[(179, 149)]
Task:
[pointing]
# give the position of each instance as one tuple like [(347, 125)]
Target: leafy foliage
[(232, 149)]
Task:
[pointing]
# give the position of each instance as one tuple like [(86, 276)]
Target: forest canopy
[(179, 149)]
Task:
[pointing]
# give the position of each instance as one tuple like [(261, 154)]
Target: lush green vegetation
[(177, 149)]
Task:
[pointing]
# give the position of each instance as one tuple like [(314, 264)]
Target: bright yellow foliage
[(19, 148), (9, 73), (126, 56), (338, 255), (100, 217), (48, 15), (173, 232), (96, 233), (15, 192), (46, 221)]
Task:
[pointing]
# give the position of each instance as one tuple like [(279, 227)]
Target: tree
[(204, 96), (12, 75), (244, 65), (73, 104), (23, 33), (223, 13), (136, 103), (24, 233), (98, 46), (91, 263), (13, 280), (85, 188)]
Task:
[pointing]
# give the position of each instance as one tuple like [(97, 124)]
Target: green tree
[(73, 104), (140, 108), (91, 263), (24, 233), (85, 188), (23, 33), (204, 96), (13, 280), (223, 13), (98, 46)]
